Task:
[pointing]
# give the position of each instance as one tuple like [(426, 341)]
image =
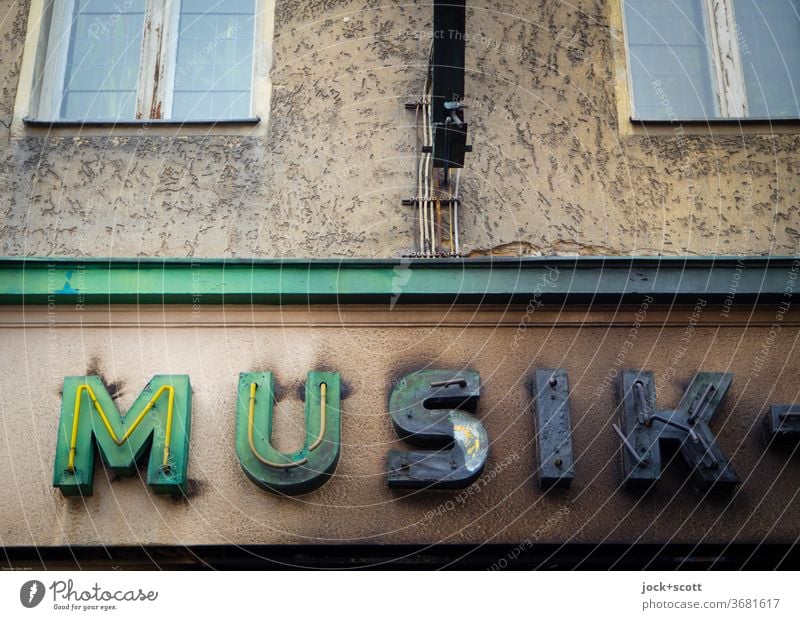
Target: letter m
[(160, 420)]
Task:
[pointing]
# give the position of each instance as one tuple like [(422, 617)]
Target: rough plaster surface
[(551, 171), (356, 505)]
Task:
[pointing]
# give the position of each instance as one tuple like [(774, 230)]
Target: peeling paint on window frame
[(157, 60), (728, 82)]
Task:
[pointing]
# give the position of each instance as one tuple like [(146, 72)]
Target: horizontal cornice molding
[(567, 280)]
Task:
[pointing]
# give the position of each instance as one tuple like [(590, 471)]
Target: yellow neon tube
[(151, 403), (323, 389), (251, 424)]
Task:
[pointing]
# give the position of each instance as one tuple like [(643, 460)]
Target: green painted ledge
[(574, 280)]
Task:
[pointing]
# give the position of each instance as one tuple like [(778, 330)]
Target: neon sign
[(312, 465), (89, 417), (434, 411), (429, 409)]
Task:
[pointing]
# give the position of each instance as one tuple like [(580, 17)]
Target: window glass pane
[(213, 72), (102, 66), (669, 59), (768, 32)]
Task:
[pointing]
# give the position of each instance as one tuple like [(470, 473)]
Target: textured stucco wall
[(555, 169), (372, 350)]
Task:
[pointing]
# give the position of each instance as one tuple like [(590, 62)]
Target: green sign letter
[(309, 467), (161, 416), (429, 409)]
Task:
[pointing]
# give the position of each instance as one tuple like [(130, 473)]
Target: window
[(148, 59), (712, 59)]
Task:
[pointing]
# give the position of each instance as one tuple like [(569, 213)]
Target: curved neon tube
[(323, 388)]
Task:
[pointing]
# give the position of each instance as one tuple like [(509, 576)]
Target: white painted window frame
[(158, 58), (725, 56), (726, 59)]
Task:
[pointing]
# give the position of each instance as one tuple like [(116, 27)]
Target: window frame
[(725, 65), (159, 50)]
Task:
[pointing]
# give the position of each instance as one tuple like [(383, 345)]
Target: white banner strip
[(398, 595)]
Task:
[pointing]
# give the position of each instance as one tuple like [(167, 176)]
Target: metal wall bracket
[(644, 429), (447, 81), (556, 466), (429, 409), (782, 424)]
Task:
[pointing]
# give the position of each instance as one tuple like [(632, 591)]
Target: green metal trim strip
[(579, 280)]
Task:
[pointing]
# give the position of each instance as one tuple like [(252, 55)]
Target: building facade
[(231, 200)]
